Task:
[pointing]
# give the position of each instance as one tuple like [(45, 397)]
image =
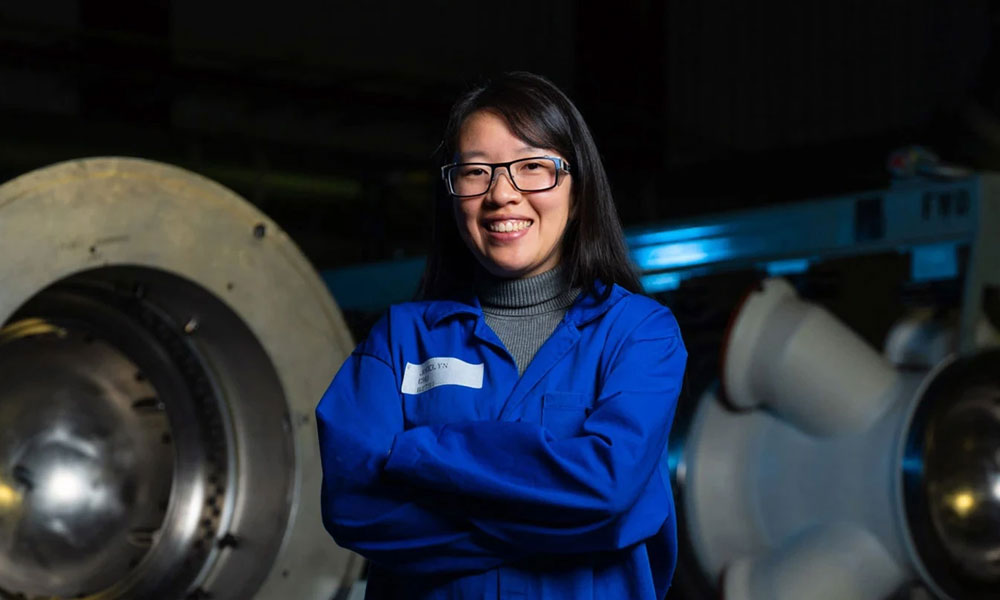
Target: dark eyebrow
[(466, 156)]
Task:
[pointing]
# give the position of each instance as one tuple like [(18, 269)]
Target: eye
[(472, 171), (531, 166)]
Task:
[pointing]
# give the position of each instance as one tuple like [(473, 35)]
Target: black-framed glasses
[(535, 174)]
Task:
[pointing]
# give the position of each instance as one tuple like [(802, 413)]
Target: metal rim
[(938, 566), (222, 279)]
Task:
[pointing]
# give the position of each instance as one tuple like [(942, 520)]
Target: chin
[(507, 273), (505, 270)]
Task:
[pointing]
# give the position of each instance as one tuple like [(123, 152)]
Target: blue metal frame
[(781, 240)]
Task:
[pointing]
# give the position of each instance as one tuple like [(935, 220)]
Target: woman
[(505, 437)]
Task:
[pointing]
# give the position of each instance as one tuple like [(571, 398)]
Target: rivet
[(191, 326)]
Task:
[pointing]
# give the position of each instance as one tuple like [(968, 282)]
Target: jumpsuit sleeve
[(601, 490), (356, 420)]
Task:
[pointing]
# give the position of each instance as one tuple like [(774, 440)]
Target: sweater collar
[(588, 306), (524, 296)]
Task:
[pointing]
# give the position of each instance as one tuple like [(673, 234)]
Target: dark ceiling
[(326, 115)]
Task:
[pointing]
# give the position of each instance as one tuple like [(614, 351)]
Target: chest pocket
[(563, 413), (443, 404)]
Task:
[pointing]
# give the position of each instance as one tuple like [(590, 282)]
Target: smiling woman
[(514, 117), (516, 418)]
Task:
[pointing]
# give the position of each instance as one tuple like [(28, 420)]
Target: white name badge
[(442, 370)]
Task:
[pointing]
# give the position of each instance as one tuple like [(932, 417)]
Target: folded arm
[(357, 419), (598, 491)]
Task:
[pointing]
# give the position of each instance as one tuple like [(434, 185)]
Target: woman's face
[(536, 220)]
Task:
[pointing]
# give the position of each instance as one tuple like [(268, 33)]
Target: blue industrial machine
[(823, 467)]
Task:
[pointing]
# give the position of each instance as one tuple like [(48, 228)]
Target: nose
[(502, 190)]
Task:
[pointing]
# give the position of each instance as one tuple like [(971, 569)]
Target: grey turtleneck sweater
[(524, 312)]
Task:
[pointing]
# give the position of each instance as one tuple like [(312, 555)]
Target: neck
[(524, 296), (524, 312), (519, 292)]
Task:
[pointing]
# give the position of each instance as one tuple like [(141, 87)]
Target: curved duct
[(163, 346), (841, 476)]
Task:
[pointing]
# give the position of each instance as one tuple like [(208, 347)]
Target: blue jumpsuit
[(460, 480)]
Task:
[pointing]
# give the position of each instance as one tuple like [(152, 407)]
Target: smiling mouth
[(508, 226)]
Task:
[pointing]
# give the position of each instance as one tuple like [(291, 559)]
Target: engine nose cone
[(73, 500), (82, 485), (963, 480)]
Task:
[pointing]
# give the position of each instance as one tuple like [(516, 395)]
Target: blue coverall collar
[(443, 309), (594, 302)]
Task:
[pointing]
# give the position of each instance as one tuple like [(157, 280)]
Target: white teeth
[(508, 226)]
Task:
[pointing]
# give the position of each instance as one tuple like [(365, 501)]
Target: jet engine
[(823, 470), (163, 346)]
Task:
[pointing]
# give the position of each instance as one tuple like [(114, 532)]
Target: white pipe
[(798, 361)]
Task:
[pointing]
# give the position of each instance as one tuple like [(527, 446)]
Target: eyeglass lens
[(528, 175)]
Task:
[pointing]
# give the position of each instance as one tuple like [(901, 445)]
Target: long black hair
[(537, 112)]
